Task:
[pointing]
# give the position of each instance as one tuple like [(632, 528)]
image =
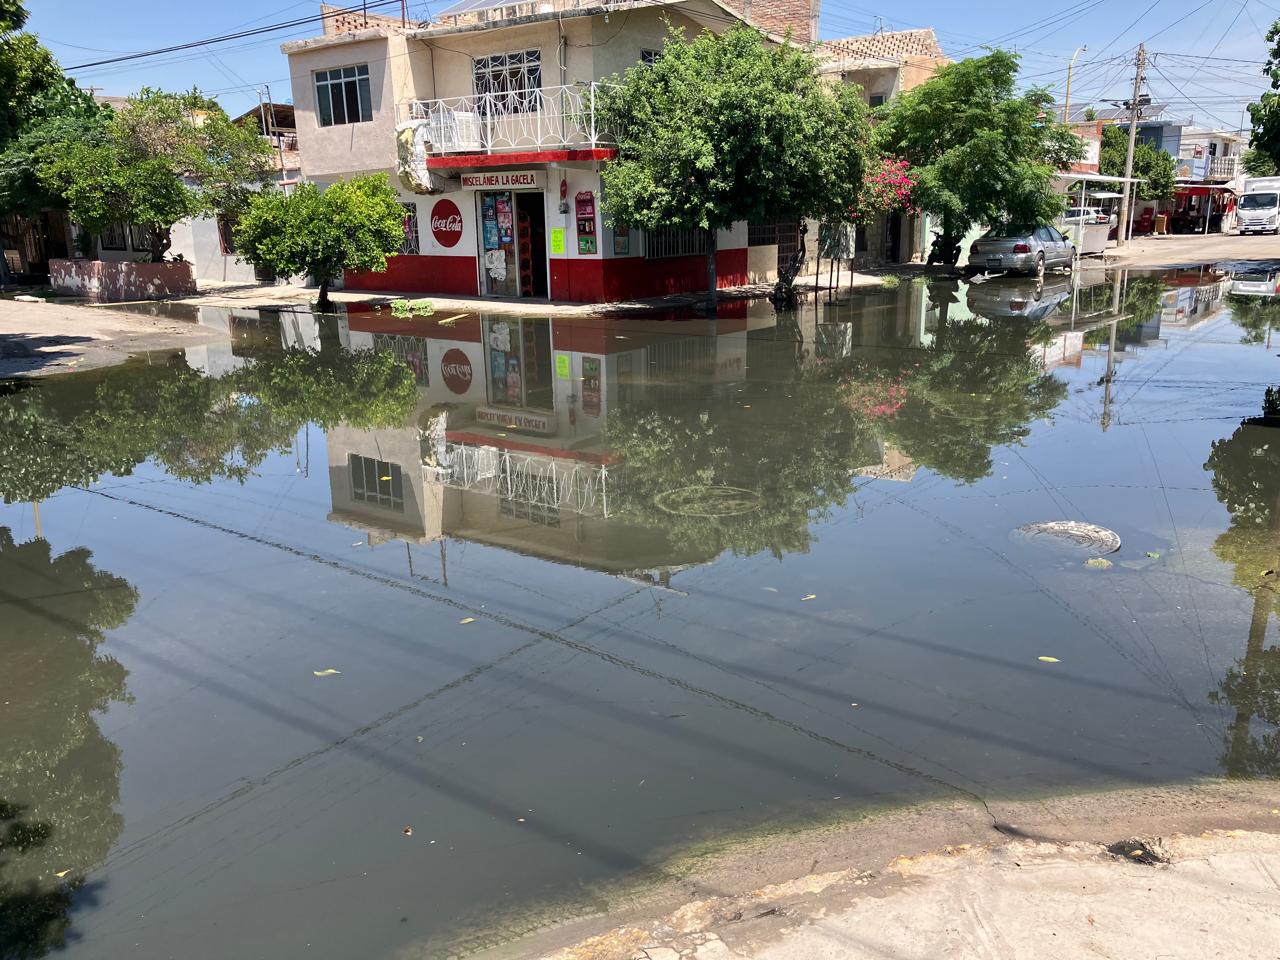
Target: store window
[(343, 96), (376, 482), (409, 246), (520, 363), (508, 82), (672, 242), (113, 237)]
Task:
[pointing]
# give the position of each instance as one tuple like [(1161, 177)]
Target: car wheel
[(1039, 271)]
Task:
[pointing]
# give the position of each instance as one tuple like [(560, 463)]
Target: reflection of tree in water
[(797, 455), (1141, 300), (978, 385), (1258, 316), (197, 428), (60, 776), (1246, 478)]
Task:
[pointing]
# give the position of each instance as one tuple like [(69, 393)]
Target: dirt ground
[(1028, 879), (38, 339)]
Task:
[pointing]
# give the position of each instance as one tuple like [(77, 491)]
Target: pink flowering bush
[(887, 187)]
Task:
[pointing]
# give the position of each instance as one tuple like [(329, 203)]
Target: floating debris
[(1139, 851), (327, 672), (809, 596), (467, 620), (1074, 533), (1048, 659), (407, 831), (1153, 554), (1098, 563)]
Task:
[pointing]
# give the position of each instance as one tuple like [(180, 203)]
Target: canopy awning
[(1106, 195), (1093, 178)]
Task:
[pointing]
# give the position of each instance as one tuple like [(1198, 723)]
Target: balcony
[(507, 122), (1224, 168)]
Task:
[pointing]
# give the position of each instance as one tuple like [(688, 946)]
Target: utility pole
[(1122, 235), (1066, 109)]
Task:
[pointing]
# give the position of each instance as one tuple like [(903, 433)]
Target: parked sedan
[(1086, 215), (1021, 249)]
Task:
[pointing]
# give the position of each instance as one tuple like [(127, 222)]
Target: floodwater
[(454, 624)]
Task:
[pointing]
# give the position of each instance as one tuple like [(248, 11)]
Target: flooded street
[(310, 656)]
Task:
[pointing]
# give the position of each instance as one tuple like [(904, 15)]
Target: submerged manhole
[(708, 501), (1087, 536)]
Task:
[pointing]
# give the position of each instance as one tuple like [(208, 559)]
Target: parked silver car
[(1021, 249)]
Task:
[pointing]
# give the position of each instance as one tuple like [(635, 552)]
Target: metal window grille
[(508, 82), (650, 57), (672, 242), (412, 351), (762, 234), (409, 245), (138, 237), (343, 95), (376, 482), (112, 238), (533, 512)]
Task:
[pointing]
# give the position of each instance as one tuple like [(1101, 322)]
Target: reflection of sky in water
[(840, 488)]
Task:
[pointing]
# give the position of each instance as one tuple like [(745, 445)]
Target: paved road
[(1191, 249)]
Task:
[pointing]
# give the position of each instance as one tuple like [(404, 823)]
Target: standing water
[(411, 640)]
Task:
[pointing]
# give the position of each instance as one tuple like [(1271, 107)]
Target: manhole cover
[(704, 501), (1086, 536)]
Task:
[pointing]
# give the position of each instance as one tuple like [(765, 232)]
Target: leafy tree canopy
[(980, 150), (351, 225), (1258, 164), (725, 128), (162, 158), (62, 117), (1265, 113), (27, 69), (1157, 169)]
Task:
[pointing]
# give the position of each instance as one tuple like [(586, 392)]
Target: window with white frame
[(409, 245), (508, 82), (343, 96), (673, 242)]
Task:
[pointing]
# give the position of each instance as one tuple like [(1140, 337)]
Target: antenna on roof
[(879, 25)]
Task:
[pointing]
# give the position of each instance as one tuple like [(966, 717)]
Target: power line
[(269, 28)]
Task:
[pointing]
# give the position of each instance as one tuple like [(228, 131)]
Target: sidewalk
[(1008, 880)]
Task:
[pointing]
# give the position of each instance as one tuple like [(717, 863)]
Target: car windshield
[(1257, 201), (1009, 233)]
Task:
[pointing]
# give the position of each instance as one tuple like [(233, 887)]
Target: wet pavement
[(458, 625)]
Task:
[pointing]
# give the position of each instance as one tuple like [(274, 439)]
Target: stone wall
[(116, 282)]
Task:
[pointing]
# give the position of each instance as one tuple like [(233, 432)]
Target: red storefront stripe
[(428, 274), (629, 278)]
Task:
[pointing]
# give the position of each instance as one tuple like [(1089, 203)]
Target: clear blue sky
[(1213, 91)]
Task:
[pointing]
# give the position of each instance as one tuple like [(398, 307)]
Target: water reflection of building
[(1196, 296), (509, 447), (894, 465), (251, 334)]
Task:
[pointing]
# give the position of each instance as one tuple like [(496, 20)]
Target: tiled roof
[(891, 47)]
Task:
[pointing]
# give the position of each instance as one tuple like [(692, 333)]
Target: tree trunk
[(161, 240), (323, 303), (1237, 758), (711, 268)]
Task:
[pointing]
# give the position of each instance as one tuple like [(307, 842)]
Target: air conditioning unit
[(455, 130)]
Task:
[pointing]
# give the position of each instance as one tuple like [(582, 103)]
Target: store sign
[(455, 367), (446, 223), (515, 419), (503, 180)]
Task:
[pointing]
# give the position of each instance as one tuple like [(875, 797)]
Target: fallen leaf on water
[(327, 672), (467, 620), (384, 478), (408, 831), (810, 596), (1137, 853), (1098, 563), (1153, 554), (853, 704), (1048, 659), (519, 819), (420, 739), (770, 589), (61, 873)]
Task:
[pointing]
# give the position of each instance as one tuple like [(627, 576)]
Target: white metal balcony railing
[(547, 482), (1224, 168), (547, 118)]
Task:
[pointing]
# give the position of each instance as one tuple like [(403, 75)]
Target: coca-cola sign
[(455, 367), (446, 223)]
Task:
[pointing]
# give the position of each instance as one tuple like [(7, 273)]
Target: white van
[(1259, 208)]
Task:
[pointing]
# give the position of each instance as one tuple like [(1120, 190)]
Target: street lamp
[(1066, 110)]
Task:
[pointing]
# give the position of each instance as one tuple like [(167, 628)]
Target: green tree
[(27, 69), (62, 118), (1157, 169), (351, 225), (1258, 164), (1257, 316), (1246, 479), (725, 128), (1264, 114), (981, 151), (164, 157), (61, 776)]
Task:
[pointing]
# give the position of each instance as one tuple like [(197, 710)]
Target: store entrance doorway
[(513, 243)]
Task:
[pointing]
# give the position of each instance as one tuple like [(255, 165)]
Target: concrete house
[(485, 119)]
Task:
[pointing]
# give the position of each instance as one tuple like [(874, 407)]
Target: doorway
[(531, 234)]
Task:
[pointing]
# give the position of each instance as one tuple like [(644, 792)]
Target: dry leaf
[(467, 620), (1048, 659), (61, 873), (327, 672), (408, 831), (810, 596)]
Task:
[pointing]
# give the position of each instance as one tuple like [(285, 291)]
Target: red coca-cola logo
[(455, 367), (446, 224)]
